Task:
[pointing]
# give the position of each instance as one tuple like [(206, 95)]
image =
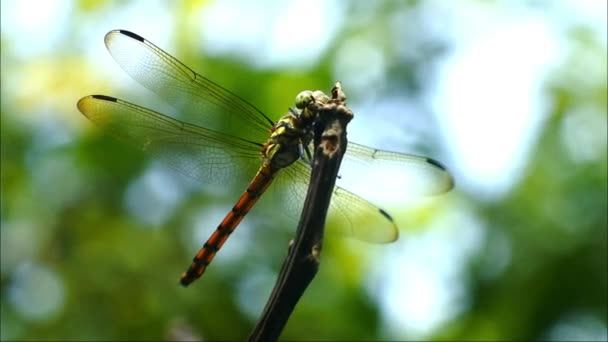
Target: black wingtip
[(130, 35), (125, 33), (436, 163), (385, 214), (84, 103), (105, 98)]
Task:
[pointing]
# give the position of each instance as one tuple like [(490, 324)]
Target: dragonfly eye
[(304, 98), (320, 96)]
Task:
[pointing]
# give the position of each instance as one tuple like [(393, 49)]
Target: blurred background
[(510, 95)]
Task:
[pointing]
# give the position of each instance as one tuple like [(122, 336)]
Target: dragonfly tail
[(206, 254)]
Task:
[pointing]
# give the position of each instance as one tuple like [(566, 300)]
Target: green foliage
[(64, 210)]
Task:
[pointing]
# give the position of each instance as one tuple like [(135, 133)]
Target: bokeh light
[(510, 95)]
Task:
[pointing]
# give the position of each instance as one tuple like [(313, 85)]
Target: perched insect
[(231, 136)]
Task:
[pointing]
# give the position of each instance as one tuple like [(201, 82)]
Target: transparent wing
[(197, 99), (212, 157), (353, 215), (390, 177), (217, 158), (209, 156)]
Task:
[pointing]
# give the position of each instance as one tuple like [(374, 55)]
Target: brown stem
[(302, 262)]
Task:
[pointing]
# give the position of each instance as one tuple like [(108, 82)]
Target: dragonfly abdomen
[(205, 255)]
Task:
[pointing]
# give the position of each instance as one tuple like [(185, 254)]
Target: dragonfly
[(218, 137)]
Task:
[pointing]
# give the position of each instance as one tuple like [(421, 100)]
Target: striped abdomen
[(258, 185)]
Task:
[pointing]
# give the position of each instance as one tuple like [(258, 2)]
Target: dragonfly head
[(305, 98)]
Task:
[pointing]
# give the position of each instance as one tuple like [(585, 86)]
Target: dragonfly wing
[(354, 216), (348, 214), (389, 177), (209, 156), (369, 176), (197, 99)]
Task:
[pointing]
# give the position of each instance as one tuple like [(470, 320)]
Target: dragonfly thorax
[(287, 140)]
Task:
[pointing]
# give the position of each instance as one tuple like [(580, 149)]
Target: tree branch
[(302, 262)]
